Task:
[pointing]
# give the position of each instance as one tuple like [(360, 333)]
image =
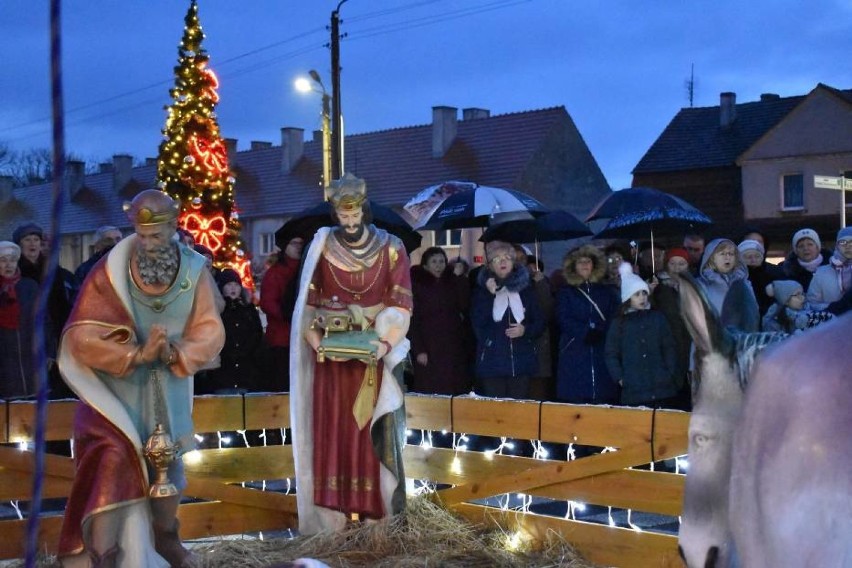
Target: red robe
[(345, 463)]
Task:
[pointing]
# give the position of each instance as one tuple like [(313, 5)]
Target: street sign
[(835, 183)]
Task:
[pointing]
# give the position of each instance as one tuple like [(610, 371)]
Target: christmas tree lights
[(193, 160)]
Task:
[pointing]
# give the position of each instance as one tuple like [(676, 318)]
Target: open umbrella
[(457, 205), (554, 226), (645, 210), (306, 223)]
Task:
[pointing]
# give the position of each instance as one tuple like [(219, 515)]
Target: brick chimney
[(150, 161), (474, 113), (122, 171), (105, 167), (258, 145), (230, 147), (444, 128), (727, 109), (72, 183), (292, 147), (7, 184), (769, 97)]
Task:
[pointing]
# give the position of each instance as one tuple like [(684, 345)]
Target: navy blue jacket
[(640, 352), (496, 354)]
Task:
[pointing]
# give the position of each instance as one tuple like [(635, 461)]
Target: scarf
[(843, 267), (811, 265), (506, 300), (10, 309)]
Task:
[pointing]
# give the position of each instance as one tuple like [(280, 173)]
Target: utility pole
[(337, 162)]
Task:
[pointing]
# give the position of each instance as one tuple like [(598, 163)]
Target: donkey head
[(704, 536)]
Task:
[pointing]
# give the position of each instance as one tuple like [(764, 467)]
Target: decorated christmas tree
[(193, 161)]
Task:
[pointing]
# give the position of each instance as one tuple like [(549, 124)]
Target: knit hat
[(844, 234), (630, 283), (494, 249), (750, 244), (10, 249), (677, 251), (781, 290), (226, 276), (806, 234), (26, 230)]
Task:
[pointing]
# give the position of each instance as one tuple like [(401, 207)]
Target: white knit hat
[(806, 234), (630, 283)]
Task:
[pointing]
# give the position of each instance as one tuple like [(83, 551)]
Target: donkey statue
[(770, 466)]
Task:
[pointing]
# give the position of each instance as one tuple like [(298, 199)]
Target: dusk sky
[(619, 67)]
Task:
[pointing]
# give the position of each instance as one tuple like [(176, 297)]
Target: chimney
[(122, 167), (258, 145), (292, 147), (105, 167), (727, 109), (75, 172), (150, 161), (474, 113), (444, 127), (769, 97), (7, 184), (230, 147), (317, 136)]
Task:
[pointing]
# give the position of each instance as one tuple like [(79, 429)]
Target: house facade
[(540, 152), (753, 164)]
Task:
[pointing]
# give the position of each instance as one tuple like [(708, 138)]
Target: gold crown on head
[(151, 207), (347, 193)]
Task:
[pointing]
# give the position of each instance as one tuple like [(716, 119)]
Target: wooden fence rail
[(214, 475)]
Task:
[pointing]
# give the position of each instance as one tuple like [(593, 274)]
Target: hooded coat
[(582, 374), (717, 285), (496, 354)]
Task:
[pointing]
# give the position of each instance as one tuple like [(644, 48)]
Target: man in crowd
[(694, 245), (348, 415), (106, 237), (145, 322)]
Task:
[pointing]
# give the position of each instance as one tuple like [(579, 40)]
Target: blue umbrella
[(457, 205), (642, 210)]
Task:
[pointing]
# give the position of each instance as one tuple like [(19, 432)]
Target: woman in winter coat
[(666, 298), (506, 322), (724, 278), (805, 258), (834, 279), (584, 309), (438, 326), (640, 349), (239, 371), (17, 299)]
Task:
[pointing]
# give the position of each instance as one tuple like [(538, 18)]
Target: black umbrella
[(644, 210), (306, 224), (554, 226)]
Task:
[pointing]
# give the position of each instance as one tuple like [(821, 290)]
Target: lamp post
[(315, 85)]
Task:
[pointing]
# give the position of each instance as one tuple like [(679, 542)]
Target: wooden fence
[(226, 508)]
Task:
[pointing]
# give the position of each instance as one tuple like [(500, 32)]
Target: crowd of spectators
[(604, 328)]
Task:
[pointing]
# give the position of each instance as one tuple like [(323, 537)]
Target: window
[(267, 243), (448, 238), (792, 191)]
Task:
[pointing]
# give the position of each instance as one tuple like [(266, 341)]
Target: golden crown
[(151, 207), (348, 192)]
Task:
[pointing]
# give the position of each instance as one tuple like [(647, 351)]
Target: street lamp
[(315, 85)]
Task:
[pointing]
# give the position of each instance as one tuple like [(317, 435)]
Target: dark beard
[(161, 269), (352, 237)]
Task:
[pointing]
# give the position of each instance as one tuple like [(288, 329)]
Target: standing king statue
[(348, 410), (145, 321)]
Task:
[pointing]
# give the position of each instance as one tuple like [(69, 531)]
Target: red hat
[(677, 251)]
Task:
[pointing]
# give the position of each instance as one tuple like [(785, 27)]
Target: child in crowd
[(791, 313), (243, 336), (640, 349)]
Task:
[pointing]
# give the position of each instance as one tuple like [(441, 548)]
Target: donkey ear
[(699, 316)]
